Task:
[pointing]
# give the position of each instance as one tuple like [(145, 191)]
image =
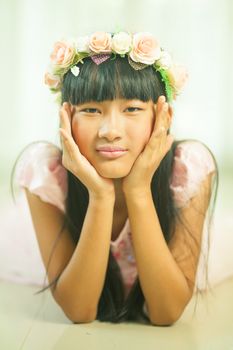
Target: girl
[(119, 210)]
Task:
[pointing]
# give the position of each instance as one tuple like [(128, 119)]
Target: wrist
[(102, 197), (137, 192)]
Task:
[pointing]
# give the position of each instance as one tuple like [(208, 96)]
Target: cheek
[(142, 134), (81, 136)]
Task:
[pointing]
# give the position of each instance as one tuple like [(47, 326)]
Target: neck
[(120, 203)]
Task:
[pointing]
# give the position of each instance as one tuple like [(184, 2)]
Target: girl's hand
[(140, 176), (76, 163)]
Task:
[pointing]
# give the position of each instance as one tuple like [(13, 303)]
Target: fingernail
[(162, 98), (65, 105)]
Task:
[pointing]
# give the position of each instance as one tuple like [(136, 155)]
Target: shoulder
[(39, 169), (192, 163)]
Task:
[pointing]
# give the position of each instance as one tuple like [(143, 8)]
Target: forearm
[(164, 285), (81, 283)]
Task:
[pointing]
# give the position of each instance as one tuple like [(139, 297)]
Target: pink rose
[(100, 42), (178, 76), (63, 54), (53, 81), (145, 49)]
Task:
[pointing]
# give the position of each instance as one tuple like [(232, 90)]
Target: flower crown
[(141, 49)]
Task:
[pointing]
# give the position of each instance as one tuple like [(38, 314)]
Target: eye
[(134, 109), (90, 110)]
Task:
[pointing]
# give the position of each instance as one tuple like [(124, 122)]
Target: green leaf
[(113, 57), (165, 79)]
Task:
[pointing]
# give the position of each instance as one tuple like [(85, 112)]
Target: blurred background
[(198, 33)]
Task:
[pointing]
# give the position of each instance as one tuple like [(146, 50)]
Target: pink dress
[(41, 171)]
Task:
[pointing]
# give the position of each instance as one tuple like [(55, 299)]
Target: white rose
[(82, 44), (121, 43), (165, 60)]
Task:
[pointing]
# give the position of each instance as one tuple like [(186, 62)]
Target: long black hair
[(107, 81)]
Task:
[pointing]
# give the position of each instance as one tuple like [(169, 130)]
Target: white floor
[(35, 322), (20, 259)]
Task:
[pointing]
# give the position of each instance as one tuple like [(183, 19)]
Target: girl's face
[(124, 123)]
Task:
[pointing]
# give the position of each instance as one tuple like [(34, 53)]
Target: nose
[(110, 127)]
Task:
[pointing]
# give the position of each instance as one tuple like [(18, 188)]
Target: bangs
[(114, 78)]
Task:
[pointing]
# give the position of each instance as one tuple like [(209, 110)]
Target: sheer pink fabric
[(192, 163), (41, 171)]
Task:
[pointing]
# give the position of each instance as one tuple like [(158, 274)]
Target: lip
[(112, 154), (110, 148)]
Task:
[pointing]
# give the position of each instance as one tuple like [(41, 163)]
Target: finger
[(68, 143), (157, 110), (170, 140), (161, 101), (159, 137), (68, 117), (65, 119), (69, 109), (61, 113), (161, 124)]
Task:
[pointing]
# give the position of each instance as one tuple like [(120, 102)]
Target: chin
[(113, 172)]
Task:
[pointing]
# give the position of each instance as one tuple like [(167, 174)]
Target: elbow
[(171, 317), (162, 322), (79, 320), (74, 312), (80, 316), (165, 320)]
